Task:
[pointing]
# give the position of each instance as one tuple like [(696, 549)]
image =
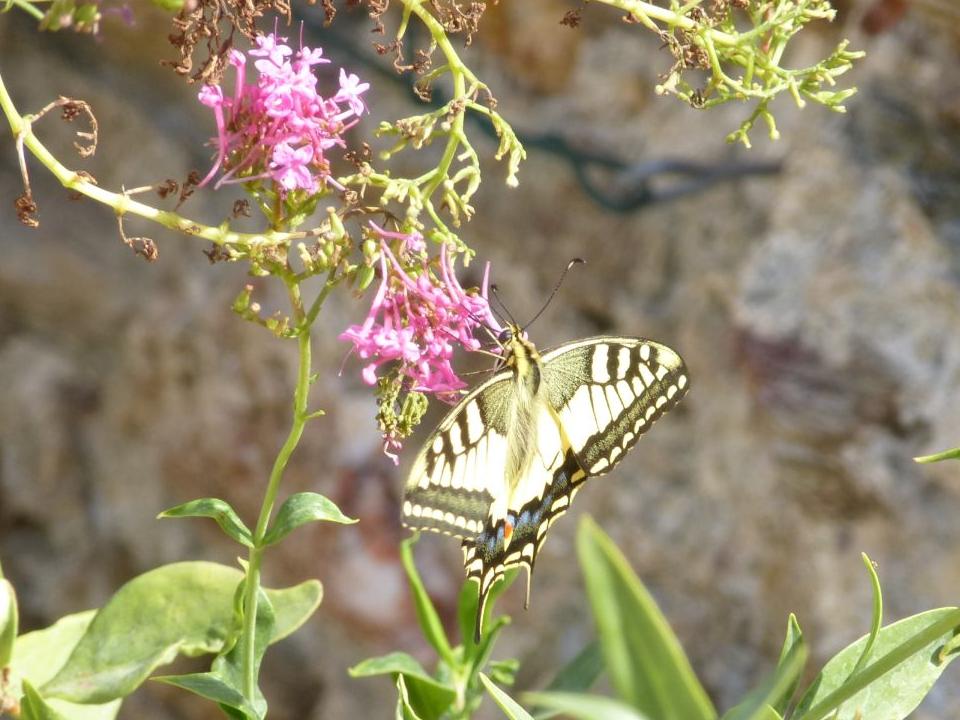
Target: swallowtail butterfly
[(506, 462)]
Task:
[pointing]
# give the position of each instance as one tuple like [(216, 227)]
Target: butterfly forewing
[(459, 470), (608, 391)]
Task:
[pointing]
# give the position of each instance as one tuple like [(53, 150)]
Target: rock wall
[(817, 309)]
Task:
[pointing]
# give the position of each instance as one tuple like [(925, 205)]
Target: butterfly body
[(508, 459)]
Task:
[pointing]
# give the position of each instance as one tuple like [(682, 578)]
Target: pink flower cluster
[(417, 320), (279, 127)]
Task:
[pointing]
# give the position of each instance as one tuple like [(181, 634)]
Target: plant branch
[(122, 203), (300, 418)]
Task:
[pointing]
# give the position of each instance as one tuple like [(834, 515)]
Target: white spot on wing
[(613, 400), (646, 375), (407, 508), (661, 401), (671, 391), (682, 382), (474, 423), (662, 372), (637, 386), (599, 466), (644, 352), (599, 367), (459, 467), (438, 444), (578, 417), (626, 395), (456, 441), (600, 409)]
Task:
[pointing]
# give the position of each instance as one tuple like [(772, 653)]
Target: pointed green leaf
[(428, 696), (38, 655), (212, 687), (577, 676), (584, 707), (426, 613), (906, 661), (758, 704), (580, 673), (511, 708), (229, 666), (8, 621), (300, 509), (644, 660), (404, 710), (877, 620), (217, 509), (293, 606), (952, 454), (33, 707), (395, 662), (793, 638), (184, 608)]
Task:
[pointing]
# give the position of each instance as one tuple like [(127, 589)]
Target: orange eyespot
[(507, 531)]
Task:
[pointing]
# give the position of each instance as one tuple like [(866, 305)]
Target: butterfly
[(509, 458)]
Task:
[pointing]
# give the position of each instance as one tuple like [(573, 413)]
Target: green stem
[(644, 11), (458, 71), (122, 203), (300, 417), (28, 7)]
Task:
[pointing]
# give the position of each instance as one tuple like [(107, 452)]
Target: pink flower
[(350, 90), (280, 127), (416, 321)]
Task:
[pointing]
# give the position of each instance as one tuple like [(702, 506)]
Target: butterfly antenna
[(556, 288), (496, 295)]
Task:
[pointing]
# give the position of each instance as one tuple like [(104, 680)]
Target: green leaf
[(219, 510), (404, 709), (293, 606), (644, 660), (793, 638), (584, 707), (33, 707), (581, 673), (8, 621), (300, 509), (908, 659), (477, 653), (228, 666), (426, 613), (877, 620), (504, 672), (577, 676), (427, 695), (38, 655), (953, 454), (211, 686), (184, 608), (511, 708), (758, 704)]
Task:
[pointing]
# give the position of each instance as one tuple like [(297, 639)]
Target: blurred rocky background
[(812, 284)]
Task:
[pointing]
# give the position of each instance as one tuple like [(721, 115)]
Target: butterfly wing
[(608, 391), (599, 395), (461, 467)]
